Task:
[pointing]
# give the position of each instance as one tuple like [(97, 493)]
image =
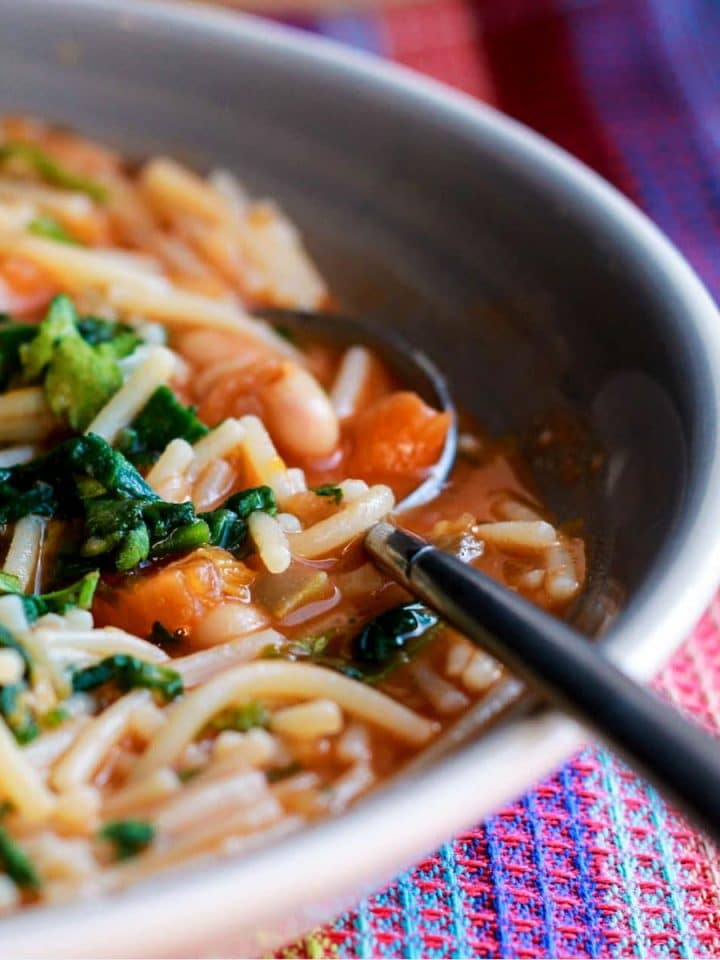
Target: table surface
[(591, 863)]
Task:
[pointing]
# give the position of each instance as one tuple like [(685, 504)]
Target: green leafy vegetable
[(242, 718), (189, 774), (34, 158), (162, 419), (124, 522), (12, 337), (16, 863), (128, 673), (79, 594), (14, 706), (284, 331), (122, 338), (282, 773), (9, 583), (129, 837), (162, 637), (329, 490), (46, 226), (17, 713), (228, 524), (54, 718), (79, 378), (388, 638)]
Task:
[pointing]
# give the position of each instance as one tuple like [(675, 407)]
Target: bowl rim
[(304, 867)]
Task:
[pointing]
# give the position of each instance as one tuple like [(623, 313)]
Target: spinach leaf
[(16, 712), (32, 157), (128, 673), (389, 637), (162, 419), (46, 226), (120, 336), (329, 490), (129, 837), (12, 337), (14, 707), (16, 863), (79, 594), (242, 718), (79, 378), (228, 524)]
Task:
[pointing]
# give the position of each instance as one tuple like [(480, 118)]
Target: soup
[(196, 653)]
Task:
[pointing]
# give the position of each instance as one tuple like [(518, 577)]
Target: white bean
[(298, 413)]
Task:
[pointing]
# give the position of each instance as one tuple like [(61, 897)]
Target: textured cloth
[(591, 862)]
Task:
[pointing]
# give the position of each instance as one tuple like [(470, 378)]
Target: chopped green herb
[(283, 330), (49, 227), (162, 419), (16, 712), (12, 337), (54, 718), (242, 718), (9, 583), (34, 158), (162, 637), (16, 863), (228, 523), (79, 594), (189, 774), (329, 490), (309, 646), (282, 773), (128, 672), (129, 837), (120, 336)]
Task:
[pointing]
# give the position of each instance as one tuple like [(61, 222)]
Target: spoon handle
[(565, 669)]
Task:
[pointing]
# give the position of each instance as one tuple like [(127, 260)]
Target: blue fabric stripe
[(585, 882), (459, 920)]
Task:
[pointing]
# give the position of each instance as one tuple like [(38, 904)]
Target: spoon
[(552, 658)]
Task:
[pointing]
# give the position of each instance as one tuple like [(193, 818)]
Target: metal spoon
[(555, 661)]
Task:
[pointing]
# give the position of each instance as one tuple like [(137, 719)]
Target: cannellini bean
[(298, 413)]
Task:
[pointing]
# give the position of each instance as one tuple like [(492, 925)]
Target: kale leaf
[(228, 524), (162, 419), (12, 337), (129, 837), (128, 673), (13, 696), (79, 378), (79, 594), (16, 863), (32, 157), (329, 490), (46, 226)]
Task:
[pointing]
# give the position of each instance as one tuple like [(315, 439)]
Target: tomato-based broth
[(196, 652)]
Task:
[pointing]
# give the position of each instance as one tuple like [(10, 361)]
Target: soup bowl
[(544, 295)]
